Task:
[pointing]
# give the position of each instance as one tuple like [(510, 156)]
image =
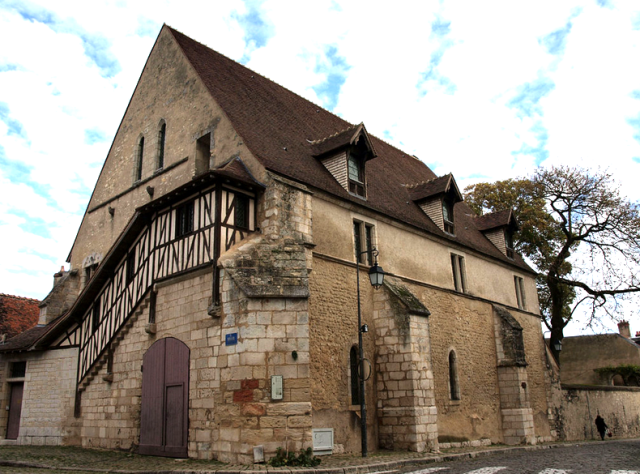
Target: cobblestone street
[(609, 457), (615, 457)]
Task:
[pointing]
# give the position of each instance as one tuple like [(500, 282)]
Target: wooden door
[(15, 409), (164, 419)]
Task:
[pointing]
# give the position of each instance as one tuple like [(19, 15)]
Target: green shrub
[(304, 459)]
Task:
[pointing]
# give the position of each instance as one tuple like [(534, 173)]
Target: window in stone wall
[(138, 166), (161, 139), (18, 369), (454, 388), (459, 273), (363, 240), (519, 284), (355, 382), (203, 153)]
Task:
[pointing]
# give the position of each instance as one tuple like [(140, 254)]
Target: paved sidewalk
[(72, 459)]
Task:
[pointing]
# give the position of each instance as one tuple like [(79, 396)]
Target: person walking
[(601, 425)]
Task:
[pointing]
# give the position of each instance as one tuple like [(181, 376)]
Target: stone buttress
[(264, 303), (406, 409), (517, 415)]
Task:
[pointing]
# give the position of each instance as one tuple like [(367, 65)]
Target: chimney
[(623, 328), (57, 276)]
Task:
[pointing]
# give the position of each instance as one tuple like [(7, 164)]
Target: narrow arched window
[(161, 137), (140, 154), (454, 389), (355, 386)]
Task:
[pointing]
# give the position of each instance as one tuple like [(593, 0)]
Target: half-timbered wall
[(166, 246)]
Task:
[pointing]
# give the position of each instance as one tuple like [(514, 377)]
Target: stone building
[(585, 359), (210, 306)]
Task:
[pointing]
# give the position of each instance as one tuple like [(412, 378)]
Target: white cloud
[(438, 79)]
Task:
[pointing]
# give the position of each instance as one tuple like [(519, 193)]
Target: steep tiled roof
[(24, 340), (280, 128), (496, 219), (17, 314)]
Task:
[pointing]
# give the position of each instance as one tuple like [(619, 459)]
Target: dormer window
[(436, 198), (344, 155), (447, 216), (508, 241), (356, 175), (499, 227)]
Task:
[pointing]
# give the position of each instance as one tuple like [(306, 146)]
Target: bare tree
[(579, 233)]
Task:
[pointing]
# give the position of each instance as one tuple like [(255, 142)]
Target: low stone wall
[(49, 399), (580, 404)]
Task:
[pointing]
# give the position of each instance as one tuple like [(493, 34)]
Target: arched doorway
[(164, 413)]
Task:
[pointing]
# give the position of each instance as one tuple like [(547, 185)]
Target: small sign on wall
[(231, 339), (276, 387), (323, 441)]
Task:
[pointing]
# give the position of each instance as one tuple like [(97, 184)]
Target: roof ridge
[(26, 298)]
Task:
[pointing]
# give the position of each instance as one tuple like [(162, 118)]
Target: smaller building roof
[(349, 136), (24, 340), (433, 187), (504, 218)]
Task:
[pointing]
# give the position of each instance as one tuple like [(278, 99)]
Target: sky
[(486, 90)]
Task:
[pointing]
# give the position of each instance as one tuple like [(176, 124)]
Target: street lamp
[(376, 276), (557, 345)]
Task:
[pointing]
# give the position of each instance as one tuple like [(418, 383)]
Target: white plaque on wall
[(323, 441), (276, 387)]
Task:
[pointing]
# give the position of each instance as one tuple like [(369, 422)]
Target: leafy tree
[(581, 236)]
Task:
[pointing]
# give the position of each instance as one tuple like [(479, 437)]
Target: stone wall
[(110, 410), (578, 406), (273, 340), (168, 90), (48, 398), (333, 329), (406, 402), (581, 355)]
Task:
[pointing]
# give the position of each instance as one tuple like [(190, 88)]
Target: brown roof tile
[(24, 340), (17, 314), (234, 168), (496, 219), (279, 127), (433, 187)]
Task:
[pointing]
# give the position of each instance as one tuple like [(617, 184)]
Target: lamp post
[(376, 276)]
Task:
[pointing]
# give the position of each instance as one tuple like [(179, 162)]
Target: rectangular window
[(241, 211), (18, 369), (184, 219), (458, 269), (356, 175), (363, 235), (203, 153), (131, 266), (508, 243), (95, 315), (519, 284)]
